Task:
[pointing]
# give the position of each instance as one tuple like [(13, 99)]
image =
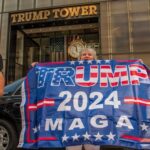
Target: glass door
[(27, 51), (49, 44)]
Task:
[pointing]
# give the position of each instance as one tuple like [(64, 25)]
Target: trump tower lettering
[(100, 102)]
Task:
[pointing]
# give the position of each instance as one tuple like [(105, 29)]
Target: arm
[(2, 83)]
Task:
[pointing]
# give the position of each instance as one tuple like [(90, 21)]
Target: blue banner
[(100, 102)]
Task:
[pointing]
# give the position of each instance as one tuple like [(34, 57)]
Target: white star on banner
[(86, 136), (75, 137), (144, 127), (72, 62), (65, 138), (89, 61), (81, 62), (98, 136), (107, 61), (111, 136), (35, 129), (98, 61)]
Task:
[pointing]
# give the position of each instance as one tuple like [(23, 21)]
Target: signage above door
[(55, 13)]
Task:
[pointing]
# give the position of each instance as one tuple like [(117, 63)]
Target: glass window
[(141, 36), (44, 3), (140, 25), (26, 4), (42, 45), (19, 55), (10, 5), (119, 27)]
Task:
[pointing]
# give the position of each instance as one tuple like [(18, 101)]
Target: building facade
[(56, 30)]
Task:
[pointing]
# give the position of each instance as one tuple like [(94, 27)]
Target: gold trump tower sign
[(56, 13)]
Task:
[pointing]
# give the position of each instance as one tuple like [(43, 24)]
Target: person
[(1, 77), (86, 54)]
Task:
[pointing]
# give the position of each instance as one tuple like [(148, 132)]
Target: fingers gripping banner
[(102, 102)]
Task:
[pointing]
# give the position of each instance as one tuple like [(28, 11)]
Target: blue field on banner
[(100, 102)]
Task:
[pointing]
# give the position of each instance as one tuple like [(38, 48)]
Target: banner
[(100, 102)]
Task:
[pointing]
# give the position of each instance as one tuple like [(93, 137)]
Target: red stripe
[(94, 67), (103, 75), (79, 76), (104, 84), (136, 65), (125, 82), (114, 84), (42, 101), (132, 100), (131, 137), (137, 98), (28, 113), (111, 75), (135, 82), (135, 138), (43, 139), (138, 74), (93, 74), (46, 99), (86, 84), (105, 67), (122, 67), (79, 67), (124, 73), (46, 105), (138, 103)]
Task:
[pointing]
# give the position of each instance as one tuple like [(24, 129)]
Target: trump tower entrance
[(59, 38)]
